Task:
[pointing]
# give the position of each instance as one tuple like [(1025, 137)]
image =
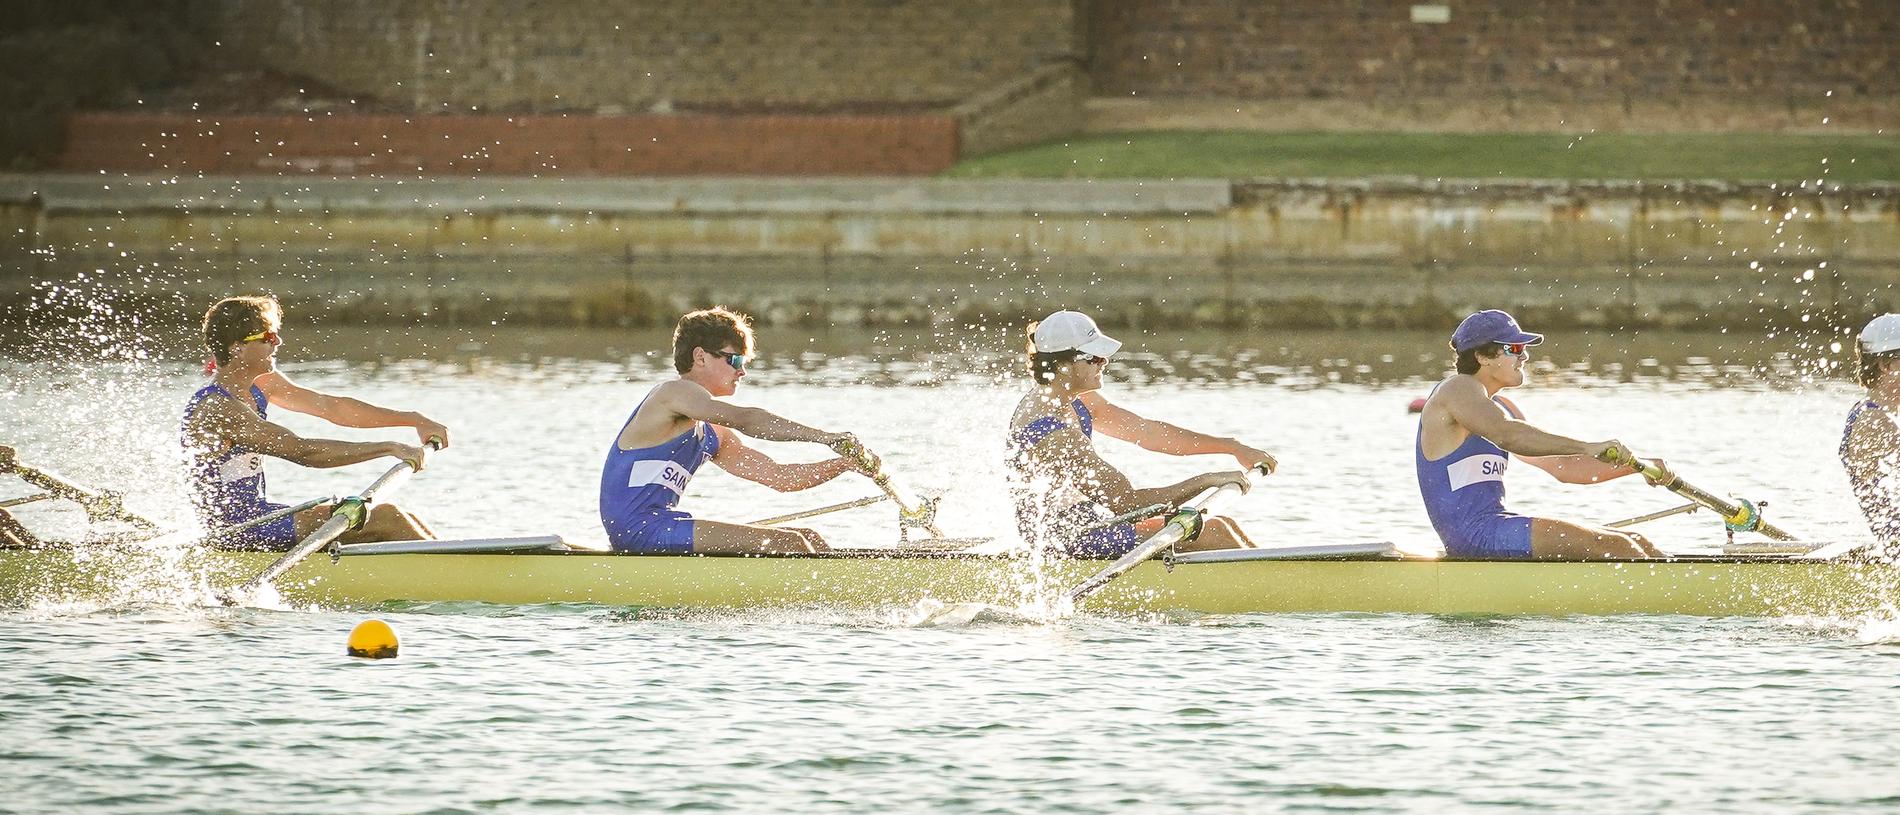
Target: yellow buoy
[(373, 639)]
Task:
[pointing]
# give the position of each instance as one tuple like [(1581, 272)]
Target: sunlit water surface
[(171, 706)]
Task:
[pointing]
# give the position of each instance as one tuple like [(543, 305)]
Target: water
[(170, 706)]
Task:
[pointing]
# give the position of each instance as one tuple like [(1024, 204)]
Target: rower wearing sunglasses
[(684, 423), (227, 436), (1466, 435), (1068, 499)]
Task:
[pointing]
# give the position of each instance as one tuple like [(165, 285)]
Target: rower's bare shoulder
[(1872, 438), (1030, 408), (676, 393), (218, 410)]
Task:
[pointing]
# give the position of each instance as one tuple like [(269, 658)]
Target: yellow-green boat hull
[(1703, 587)]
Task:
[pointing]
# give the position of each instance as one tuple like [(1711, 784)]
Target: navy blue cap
[(1491, 325)]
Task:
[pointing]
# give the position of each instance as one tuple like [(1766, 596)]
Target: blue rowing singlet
[(1464, 497), (639, 488), (229, 486), (1879, 495), (1063, 529)]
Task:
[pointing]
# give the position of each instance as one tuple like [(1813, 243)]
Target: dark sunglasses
[(737, 361), (1516, 349)]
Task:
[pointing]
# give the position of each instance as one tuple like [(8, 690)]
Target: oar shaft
[(225, 532), (27, 499), (1185, 522), (95, 503), (1627, 522), (348, 513), (1675, 484), (824, 510)]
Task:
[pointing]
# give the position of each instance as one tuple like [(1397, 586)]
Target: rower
[(1466, 435), (1068, 499), (1870, 443), (226, 435), (12, 533), (685, 422)]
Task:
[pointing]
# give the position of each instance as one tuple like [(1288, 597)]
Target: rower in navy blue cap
[(1466, 435)]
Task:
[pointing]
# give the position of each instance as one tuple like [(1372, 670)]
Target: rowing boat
[(1335, 578)]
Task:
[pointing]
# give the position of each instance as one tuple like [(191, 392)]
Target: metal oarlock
[(924, 517)]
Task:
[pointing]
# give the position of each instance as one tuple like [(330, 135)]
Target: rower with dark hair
[(227, 435), (683, 423), (1870, 443), (1066, 494), (1466, 435)]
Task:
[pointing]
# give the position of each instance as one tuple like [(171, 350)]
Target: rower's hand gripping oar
[(1184, 525), (911, 510), (1739, 516), (349, 513)]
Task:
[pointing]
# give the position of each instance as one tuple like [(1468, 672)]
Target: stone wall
[(1291, 254), (1623, 51), (653, 55)]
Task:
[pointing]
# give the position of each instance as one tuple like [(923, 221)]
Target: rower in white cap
[(1870, 444), (1066, 494)]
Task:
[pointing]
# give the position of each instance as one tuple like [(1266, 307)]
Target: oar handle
[(1617, 455)]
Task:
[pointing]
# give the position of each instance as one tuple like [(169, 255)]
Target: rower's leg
[(1552, 539), (386, 523), (416, 521), (12, 534), (718, 537), (1217, 533)]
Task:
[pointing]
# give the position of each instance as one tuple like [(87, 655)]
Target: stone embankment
[(1288, 253)]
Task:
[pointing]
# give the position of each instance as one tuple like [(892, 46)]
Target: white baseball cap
[(1881, 335), (1073, 331)]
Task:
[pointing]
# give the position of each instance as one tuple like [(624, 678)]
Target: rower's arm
[(1069, 451), (219, 423), (696, 403), (754, 465), (345, 411), (1572, 469), (1115, 421), (1467, 404)]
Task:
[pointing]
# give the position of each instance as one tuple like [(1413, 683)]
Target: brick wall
[(1620, 50), (397, 146), (643, 55)]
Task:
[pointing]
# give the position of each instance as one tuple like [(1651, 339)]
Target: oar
[(27, 499), (1739, 518), (227, 531), (1183, 526), (349, 513), (824, 510), (1643, 519), (98, 505), (911, 511)]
